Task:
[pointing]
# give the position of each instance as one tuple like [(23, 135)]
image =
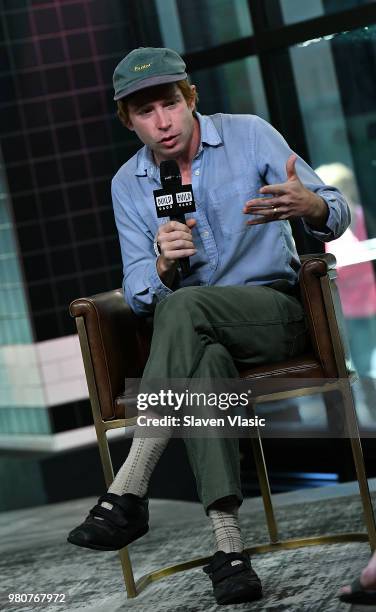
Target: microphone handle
[(184, 264)]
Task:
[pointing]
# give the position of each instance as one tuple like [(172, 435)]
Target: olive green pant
[(198, 333)]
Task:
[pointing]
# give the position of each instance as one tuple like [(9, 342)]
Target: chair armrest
[(314, 268), (119, 343), (327, 258)]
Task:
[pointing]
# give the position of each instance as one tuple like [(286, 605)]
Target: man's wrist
[(319, 213), (166, 269)]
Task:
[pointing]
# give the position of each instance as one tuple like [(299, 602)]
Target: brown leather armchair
[(115, 345)]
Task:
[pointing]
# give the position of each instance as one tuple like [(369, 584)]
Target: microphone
[(174, 200)]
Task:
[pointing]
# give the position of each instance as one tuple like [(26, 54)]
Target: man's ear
[(125, 122), (192, 103)]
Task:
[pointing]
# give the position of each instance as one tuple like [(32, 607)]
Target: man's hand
[(175, 241), (290, 199)]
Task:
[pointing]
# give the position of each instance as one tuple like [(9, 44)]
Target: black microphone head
[(170, 173)]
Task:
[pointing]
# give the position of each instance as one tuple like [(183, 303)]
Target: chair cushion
[(294, 373), (302, 368), (125, 407)]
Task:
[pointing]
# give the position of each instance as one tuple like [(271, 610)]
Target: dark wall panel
[(62, 142)]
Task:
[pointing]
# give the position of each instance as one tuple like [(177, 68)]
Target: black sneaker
[(234, 580), (125, 522)]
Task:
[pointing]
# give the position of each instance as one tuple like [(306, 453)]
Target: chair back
[(114, 342)]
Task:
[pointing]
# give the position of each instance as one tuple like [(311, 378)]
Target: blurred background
[(307, 67)]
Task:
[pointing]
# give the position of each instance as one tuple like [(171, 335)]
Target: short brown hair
[(184, 86)]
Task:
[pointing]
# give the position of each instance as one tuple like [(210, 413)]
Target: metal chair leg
[(334, 412), (108, 471), (126, 566), (356, 447), (104, 452), (263, 479)]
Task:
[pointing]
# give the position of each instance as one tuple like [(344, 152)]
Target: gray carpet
[(36, 558)]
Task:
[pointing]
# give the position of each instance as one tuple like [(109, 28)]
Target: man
[(238, 303)]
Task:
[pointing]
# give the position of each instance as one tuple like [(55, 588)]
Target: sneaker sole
[(242, 596), (85, 544)]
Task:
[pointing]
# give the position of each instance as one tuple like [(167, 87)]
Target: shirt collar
[(209, 133), (208, 136)]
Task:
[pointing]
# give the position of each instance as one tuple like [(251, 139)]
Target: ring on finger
[(275, 209)]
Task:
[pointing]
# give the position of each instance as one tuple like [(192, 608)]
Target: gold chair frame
[(342, 384)]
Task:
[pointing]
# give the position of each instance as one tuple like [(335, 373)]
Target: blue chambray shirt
[(237, 155)]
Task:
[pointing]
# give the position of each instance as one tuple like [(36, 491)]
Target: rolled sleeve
[(156, 285), (142, 286), (339, 217), (272, 153)]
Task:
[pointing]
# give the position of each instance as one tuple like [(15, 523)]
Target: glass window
[(190, 26), (13, 307), (235, 87), (296, 10), (335, 78)]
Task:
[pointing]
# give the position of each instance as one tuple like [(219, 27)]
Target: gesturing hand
[(290, 199)]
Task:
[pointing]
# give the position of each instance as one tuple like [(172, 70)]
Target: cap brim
[(150, 82)]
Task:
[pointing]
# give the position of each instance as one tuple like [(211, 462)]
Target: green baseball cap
[(146, 67)]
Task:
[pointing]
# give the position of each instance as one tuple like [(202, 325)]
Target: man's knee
[(181, 301)]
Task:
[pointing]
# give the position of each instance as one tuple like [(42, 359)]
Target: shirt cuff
[(330, 227)]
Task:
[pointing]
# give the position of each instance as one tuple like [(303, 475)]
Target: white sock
[(226, 528), (134, 474)]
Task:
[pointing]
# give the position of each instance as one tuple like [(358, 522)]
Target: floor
[(27, 534)]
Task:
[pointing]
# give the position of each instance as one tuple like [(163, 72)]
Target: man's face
[(163, 120)]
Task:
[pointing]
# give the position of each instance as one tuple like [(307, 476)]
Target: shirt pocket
[(228, 202)]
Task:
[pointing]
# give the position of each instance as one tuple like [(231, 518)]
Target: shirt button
[(197, 172), (205, 234)]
